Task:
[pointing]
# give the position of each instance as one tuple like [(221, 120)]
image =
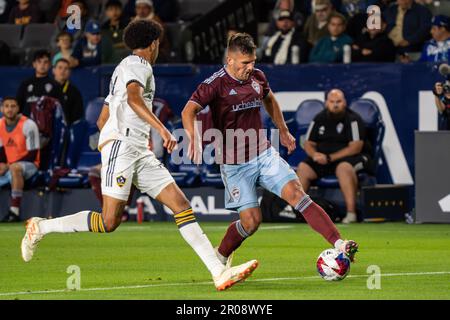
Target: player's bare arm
[(188, 116), (137, 104), (103, 117), (273, 109)]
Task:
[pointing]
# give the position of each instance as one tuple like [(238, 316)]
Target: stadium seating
[(82, 152), (184, 174), (10, 34), (38, 35), (303, 117), (210, 173)]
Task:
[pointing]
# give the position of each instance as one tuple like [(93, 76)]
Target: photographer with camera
[(441, 93)]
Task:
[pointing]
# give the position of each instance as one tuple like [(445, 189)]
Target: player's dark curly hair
[(242, 42), (140, 34)]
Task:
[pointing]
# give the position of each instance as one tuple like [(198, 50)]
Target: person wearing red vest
[(19, 152)]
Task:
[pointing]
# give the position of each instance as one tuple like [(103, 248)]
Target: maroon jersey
[(235, 109)]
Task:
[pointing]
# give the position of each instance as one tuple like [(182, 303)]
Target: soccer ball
[(333, 265)]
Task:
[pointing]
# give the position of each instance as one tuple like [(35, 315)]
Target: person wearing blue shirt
[(88, 50), (438, 48)]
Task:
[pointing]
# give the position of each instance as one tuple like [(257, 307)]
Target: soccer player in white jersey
[(126, 159)]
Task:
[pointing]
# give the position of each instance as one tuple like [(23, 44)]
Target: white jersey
[(123, 123)]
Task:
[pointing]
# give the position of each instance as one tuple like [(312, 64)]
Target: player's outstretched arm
[(273, 109), (137, 104), (188, 116), (103, 117)]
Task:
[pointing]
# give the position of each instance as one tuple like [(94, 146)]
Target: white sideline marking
[(3, 294)]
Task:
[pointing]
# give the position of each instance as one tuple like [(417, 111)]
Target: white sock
[(196, 238), (338, 244), (14, 210), (77, 222)]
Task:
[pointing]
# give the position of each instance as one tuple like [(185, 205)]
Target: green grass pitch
[(152, 261)]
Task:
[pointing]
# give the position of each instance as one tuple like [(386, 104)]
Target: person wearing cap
[(408, 25), (438, 48), (145, 10), (286, 45), (88, 50), (316, 24), (330, 49)]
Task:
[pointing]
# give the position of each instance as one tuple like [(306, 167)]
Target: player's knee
[(251, 224)]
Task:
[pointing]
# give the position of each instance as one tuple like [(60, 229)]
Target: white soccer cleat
[(31, 238), (231, 276), (349, 248), (224, 260)]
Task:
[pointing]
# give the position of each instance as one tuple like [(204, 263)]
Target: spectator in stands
[(19, 152), (316, 24), (335, 145), (39, 85), (64, 42), (287, 45), (24, 13), (5, 8), (61, 20), (438, 48), (330, 48), (373, 46), (88, 50), (355, 12), (113, 28), (286, 5), (408, 25), (71, 102), (167, 10), (145, 10)]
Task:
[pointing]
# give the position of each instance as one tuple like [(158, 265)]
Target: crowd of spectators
[(298, 31)]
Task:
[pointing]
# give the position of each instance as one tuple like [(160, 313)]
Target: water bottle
[(295, 54), (347, 54)]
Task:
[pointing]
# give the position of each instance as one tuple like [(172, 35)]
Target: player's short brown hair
[(242, 42)]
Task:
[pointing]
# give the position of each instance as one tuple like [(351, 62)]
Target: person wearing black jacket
[(72, 101), (39, 85), (287, 45), (373, 46)]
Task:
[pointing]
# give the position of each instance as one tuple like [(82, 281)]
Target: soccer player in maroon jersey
[(235, 95)]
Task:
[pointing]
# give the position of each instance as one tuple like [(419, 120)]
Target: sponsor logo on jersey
[(121, 180), (247, 105), (232, 92)]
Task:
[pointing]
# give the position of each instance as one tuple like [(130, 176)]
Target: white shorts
[(124, 164)]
